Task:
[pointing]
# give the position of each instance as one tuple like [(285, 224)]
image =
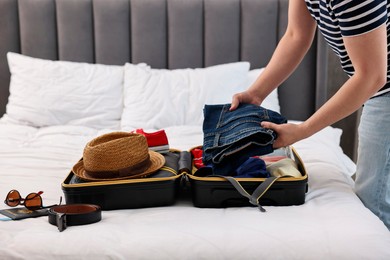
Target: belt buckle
[(61, 221)]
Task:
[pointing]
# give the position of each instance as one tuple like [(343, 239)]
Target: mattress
[(331, 224)]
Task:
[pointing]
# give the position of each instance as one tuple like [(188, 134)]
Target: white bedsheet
[(332, 224)]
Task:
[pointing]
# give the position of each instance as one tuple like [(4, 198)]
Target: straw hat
[(117, 156)]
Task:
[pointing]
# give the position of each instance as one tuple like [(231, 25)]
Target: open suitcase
[(159, 189), (217, 192), (179, 174)]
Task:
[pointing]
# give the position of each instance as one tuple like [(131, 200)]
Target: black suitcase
[(159, 189), (218, 192), (179, 175)]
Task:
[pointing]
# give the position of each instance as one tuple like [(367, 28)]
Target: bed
[(71, 70)]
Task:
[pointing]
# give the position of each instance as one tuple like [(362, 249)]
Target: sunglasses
[(33, 201)]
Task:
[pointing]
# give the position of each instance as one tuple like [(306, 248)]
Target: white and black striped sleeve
[(359, 17)]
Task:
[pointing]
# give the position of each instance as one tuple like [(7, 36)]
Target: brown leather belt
[(63, 216)]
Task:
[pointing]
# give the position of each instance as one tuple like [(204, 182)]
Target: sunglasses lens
[(13, 198), (33, 201)]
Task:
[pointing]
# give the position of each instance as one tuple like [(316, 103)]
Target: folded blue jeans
[(231, 137)]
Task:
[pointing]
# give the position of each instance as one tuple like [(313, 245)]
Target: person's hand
[(287, 134), (244, 97)]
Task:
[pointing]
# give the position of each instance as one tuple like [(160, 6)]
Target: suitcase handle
[(257, 194)]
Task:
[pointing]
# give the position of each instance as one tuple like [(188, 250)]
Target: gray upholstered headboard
[(169, 34), (163, 33)]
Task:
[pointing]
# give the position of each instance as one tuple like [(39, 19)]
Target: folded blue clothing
[(253, 167), (231, 137)]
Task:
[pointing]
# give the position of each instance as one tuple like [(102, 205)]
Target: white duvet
[(332, 224)]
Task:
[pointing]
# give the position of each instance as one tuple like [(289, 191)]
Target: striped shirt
[(342, 18)]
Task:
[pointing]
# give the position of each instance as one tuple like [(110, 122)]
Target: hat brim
[(157, 161)]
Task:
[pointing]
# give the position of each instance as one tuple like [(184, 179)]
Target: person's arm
[(289, 53), (368, 53)]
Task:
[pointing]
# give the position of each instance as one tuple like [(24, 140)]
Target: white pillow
[(272, 100), (46, 93), (160, 98)]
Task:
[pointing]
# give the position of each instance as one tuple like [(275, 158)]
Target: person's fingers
[(270, 125), (235, 102), (277, 144)]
